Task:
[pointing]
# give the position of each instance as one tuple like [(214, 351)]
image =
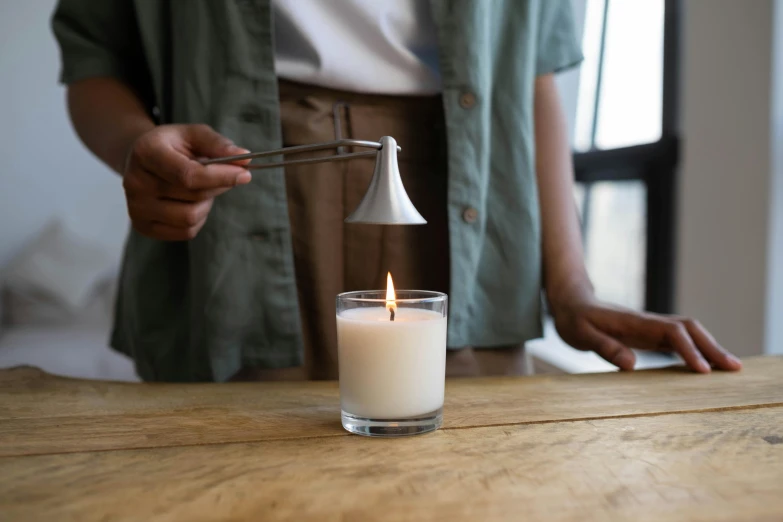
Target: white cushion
[(61, 265), (73, 352), (28, 309)]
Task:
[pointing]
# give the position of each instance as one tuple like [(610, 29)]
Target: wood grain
[(717, 466), (42, 414)]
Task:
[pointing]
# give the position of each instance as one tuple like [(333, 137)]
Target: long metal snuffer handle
[(304, 148), (384, 203)]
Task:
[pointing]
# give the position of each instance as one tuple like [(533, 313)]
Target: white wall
[(727, 176), (44, 171)]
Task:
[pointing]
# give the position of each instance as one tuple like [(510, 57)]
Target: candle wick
[(391, 314)]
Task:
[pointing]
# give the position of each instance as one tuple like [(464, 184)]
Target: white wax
[(391, 370)]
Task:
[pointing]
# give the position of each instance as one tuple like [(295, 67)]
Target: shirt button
[(467, 100), (470, 215)]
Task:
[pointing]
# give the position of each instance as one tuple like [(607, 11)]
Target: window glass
[(621, 84), (614, 218)]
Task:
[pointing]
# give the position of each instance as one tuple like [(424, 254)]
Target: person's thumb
[(205, 142)]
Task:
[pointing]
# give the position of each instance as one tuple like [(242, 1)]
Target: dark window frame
[(655, 164)]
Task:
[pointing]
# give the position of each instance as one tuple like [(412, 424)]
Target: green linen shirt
[(199, 310)]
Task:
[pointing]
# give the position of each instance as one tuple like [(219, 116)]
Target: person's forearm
[(108, 117), (580, 319), (563, 256)]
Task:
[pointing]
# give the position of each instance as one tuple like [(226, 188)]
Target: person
[(228, 275)]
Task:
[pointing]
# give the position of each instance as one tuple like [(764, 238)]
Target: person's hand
[(169, 193), (587, 324)]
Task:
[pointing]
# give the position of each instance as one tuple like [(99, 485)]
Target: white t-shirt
[(368, 46)]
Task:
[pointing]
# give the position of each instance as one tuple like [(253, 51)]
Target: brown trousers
[(331, 256)]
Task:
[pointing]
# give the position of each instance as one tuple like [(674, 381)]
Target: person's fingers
[(172, 213), (169, 156), (179, 214), (144, 184), (606, 346), (626, 325), (681, 341), (708, 346), (164, 232), (677, 337), (168, 191), (204, 141), (139, 183), (189, 174), (653, 332)]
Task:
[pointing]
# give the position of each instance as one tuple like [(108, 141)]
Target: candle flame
[(391, 297)]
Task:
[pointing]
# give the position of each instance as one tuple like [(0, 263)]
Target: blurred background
[(676, 119)]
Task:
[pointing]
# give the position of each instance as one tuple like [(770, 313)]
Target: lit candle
[(391, 297), (392, 359)]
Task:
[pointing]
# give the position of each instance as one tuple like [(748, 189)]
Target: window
[(621, 82), (626, 149)]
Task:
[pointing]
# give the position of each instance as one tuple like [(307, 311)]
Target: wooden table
[(656, 445)]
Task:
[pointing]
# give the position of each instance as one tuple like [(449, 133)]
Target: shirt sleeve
[(558, 47), (97, 38)]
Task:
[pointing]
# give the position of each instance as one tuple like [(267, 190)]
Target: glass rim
[(428, 296)]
